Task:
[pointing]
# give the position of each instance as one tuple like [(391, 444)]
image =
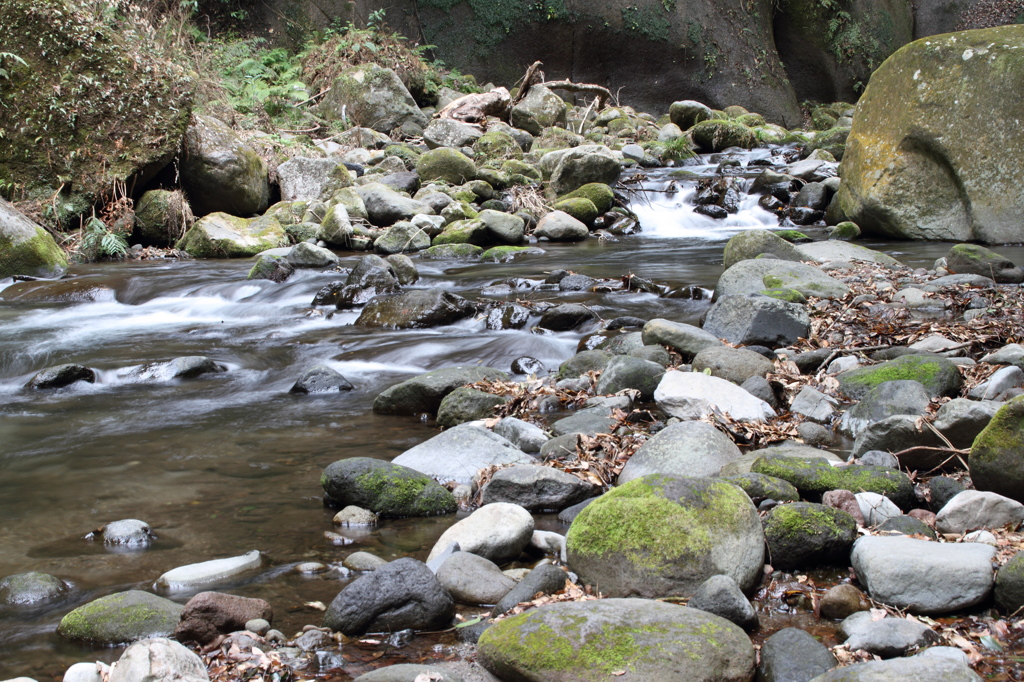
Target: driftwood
[(476, 108), (534, 76)]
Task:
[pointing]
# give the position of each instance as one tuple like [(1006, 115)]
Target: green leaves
[(99, 241)]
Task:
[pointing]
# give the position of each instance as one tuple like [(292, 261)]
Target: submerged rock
[(320, 379), (31, 588), (60, 376), (415, 309)]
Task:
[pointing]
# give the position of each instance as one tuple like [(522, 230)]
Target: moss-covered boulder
[(496, 145), (815, 476), (162, 216), (464, 232), (832, 141), (415, 309), (973, 259), (571, 169), (220, 235), (540, 109), (599, 194), (939, 376), (596, 640), (755, 275), (941, 164), (220, 172), (804, 534), (26, 248), (662, 535), (388, 490), (121, 618), (996, 461), (579, 208), (716, 135), (1009, 592), (92, 104), (759, 487), (687, 113), (505, 254), (845, 231), (753, 243), (453, 252), (446, 165), (371, 96)]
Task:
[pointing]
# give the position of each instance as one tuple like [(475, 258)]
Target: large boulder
[(209, 614), (973, 259), (26, 248), (121, 618), (573, 168), (645, 640), (752, 243), (220, 172), (460, 453), (424, 393), (688, 448), (446, 165), (815, 476), (755, 319), (540, 109), (755, 275), (221, 235), (385, 488), (997, 457), (384, 206), (664, 535), (156, 659), (692, 395), (370, 96), (938, 375), (306, 179), (415, 310), (732, 364), (927, 168)]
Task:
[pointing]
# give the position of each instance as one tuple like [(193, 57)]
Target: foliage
[(677, 149), (99, 241), (256, 78), (9, 57)]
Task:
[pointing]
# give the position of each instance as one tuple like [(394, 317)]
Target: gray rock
[(721, 596), (1001, 380), (497, 531), (692, 395), (888, 637), (540, 109), (923, 576), (385, 206), (130, 533), (209, 614), (759, 487), (559, 226), (31, 588), (877, 458), (188, 367), (887, 399), (28, 248), (814, 405), (752, 243), (402, 237), (447, 132), (566, 316), (371, 96), (732, 364), (793, 655), (754, 276), (404, 268), (685, 339), (536, 488), (460, 453), (425, 392), (363, 561), (624, 372), (156, 659), (320, 379), (306, 179), (466, 404), (471, 579), (914, 669), (336, 227), (876, 509), (193, 575), (388, 489), (833, 250), (527, 437), (503, 228), (961, 420), (415, 309), (938, 375), (907, 525), (410, 672), (585, 422), (898, 433), (757, 319), (974, 259), (804, 534), (942, 489), (85, 672), (843, 600), (560, 447), (121, 618), (1009, 593), (545, 579), (688, 448), (974, 509), (572, 168), (60, 376), (687, 113), (404, 594), (760, 388), (220, 172), (583, 362), (275, 268)]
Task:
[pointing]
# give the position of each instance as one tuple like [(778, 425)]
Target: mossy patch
[(938, 375), (386, 489), (121, 618), (598, 193), (814, 476)]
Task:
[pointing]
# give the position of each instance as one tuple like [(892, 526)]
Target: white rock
[(158, 660), (191, 575), (86, 672), (843, 364), (813, 404), (692, 395), (974, 509), (1001, 380), (1008, 354), (982, 536), (498, 531), (935, 343), (549, 542), (876, 509)]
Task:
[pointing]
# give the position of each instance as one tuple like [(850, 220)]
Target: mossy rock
[(26, 248), (735, 111), (823, 119), (598, 193), (804, 535), (388, 490), (813, 477), (939, 376), (301, 232), (497, 145), (793, 236), (659, 536), (845, 231), (424, 393), (464, 232), (1009, 592), (583, 362), (759, 487), (597, 640), (504, 254), (752, 243), (274, 268), (579, 208), (121, 618), (219, 235), (31, 588), (783, 294), (996, 461), (716, 135), (408, 155), (515, 167), (558, 138), (162, 216), (832, 141), (285, 212), (751, 120), (466, 404), (452, 252), (221, 172), (447, 165)]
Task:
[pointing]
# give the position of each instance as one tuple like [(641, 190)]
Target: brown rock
[(843, 500), (842, 601), (209, 614), (923, 515)]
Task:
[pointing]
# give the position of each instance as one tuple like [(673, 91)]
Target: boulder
[(652, 641), (472, 579), (687, 113), (803, 534), (192, 575), (814, 405), (843, 600), (221, 235), (385, 488), (160, 659), (371, 96), (498, 532), (559, 226), (425, 392), (60, 376), (121, 618), (793, 655), (721, 596), (573, 168), (623, 372), (384, 206), (404, 594), (664, 535), (691, 395), (31, 588), (814, 476), (26, 248), (307, 179), (752, 243), (525, 436), (924, 576), (583, 362), (885, 637), (714, 135), (938, 375), (732, 364), (834, 250), (685, 339), (913, 669), (306, 255), (220, 172), (897, 433), (756, 319), (447, 132), (755, 276), (1009, 593), (209, 614), (466, 404), (539, 109), (688, 448), (445, 165), (320, 379), (536, 488), (460, 453), (402, 237), (565, 317), (996, 461), (974, 509), (887, 399), (410, 672), (759, 487), (415, 309), (544, 579)]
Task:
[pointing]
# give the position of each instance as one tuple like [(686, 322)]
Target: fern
[(99, 241)]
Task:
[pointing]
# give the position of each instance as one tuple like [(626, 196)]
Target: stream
[(227, 463)]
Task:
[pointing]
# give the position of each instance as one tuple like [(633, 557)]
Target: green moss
[(120, 618), (913, 367), (773, 282), (38, 256), (714, 135), (452, 252), (784, 294), (403, 493), (579, 208), (598, 193), (789, 521), (814, 476), (503, 253), (793, 235), (1003, 434)]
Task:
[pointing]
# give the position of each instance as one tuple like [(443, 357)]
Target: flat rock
[(887, 637), (757, 319), (536, 488), (460, 453), (186, 577), (974, 509), (685, 339), (692, 395), (689, 448), (756, 275), (209, 614), (732, 364), (793, 655), (914, 669)]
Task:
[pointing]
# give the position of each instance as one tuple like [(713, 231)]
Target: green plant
[(9, 57), (99, 241)]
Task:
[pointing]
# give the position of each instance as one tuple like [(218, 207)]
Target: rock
[(156, 659), (460, 453), (896, 434), (914, 669), (447, 132), (688, 448), (814, 405), (752, 243), (942, 489), (589, 422), (503, 228), (363, 561), (410, 672), (209, 614), (583, 362), (685, 339), (938, 375), (961, 420), (84, 672), (814, 476), (404, 594), (924, 576), (755, 276), (793, 655), (664, 535), (320, 379), (471, 579), (466, 404), (687, 113), (841, 601), (876, 509), (996, 462), (1005, 379), (220, 172), (275, 268), (385, 206), (536, 488), (388, 489), (61, 376), (307, 179), (759, 487), (559, 226), (846, 501), (1010, 354), (498, 532), (192, 575), (574, 168), (721, 596), (27, 248), (1009, 593), (353, 516), (121, 618), (623, 372), (127, 533), (425, 392), (655, 641), (907, 525), (832, 250), (715, 135), (888, 637), (446, 165), (759, 387), (220, 235), (539, 109), (803, 534), (371, 96), (545, 579), (691, 395), (415, 309), (525, 436), (566, 316), (974, 509), (402, 237), (31, 588), (887, 399), (732, 364)]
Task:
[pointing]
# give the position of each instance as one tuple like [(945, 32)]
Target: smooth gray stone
[(888, 399), (536, 488), (887, 637), (721, 596), (545, 579), (186, 577), (472, 579), (688, 448), (913, 669), (459, 453), (793, 655), (158, 659), (526, 436), (497, 531), (974, 509)]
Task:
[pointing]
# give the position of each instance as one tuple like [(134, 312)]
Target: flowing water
[(226, 463)]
